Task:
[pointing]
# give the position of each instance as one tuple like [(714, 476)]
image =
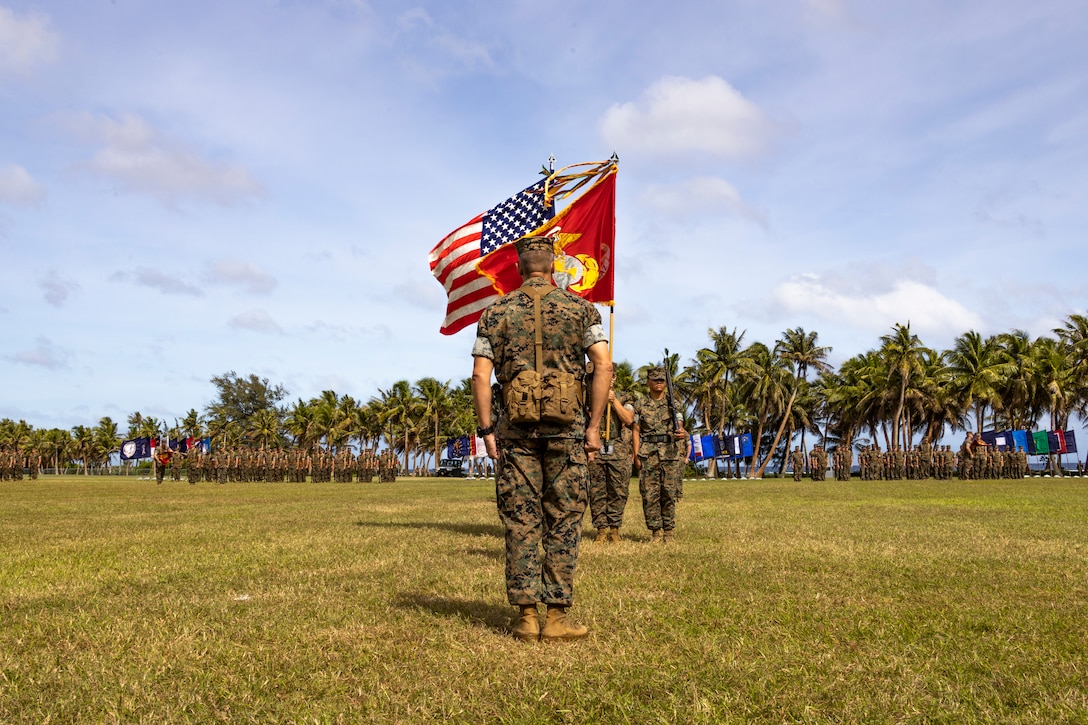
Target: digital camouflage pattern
[(662, 466), (610, 471), (540, 492), (506, 336), (541, 479)]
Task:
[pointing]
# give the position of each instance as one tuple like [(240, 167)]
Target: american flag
[(453, 260)]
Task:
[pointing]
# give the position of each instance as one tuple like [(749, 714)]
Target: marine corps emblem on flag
[(578, 272)]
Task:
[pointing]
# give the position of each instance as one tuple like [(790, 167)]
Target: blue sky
[(192, 188)]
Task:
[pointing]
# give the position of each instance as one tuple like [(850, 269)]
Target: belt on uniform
[(657, 439)]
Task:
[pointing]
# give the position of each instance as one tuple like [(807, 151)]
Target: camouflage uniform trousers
[(540, 492), (609, 485), (659, 485)]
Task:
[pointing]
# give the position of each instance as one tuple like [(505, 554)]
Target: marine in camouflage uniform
[(797, 462), (175, 465), (161, 459), (33, 463), (818, 466), (192, 465), (660, 456), (844, 455), (542, 471), (610, 470)]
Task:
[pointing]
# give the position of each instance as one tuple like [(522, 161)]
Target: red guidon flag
[(585, 238)]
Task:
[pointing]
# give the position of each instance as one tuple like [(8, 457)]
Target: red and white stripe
[(453, 264)]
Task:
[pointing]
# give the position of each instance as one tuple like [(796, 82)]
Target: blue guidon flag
[(136, 448)]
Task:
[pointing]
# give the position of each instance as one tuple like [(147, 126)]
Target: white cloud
[(44, 354), (702, 195), (57, 288), (906, 300), (437, 51), (25, 42), (255, 321), (160, 281), (236, 273), (681, 115), (18, 188), (137, 156)]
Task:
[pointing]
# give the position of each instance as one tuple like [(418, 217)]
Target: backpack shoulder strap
[(538, 293)]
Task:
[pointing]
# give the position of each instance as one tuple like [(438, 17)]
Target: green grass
[(123, 601)]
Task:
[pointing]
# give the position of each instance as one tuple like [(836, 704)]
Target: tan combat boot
[(614, 535), (658, 537), (528, 627), (668, 537), (602, 535), (557, 627)]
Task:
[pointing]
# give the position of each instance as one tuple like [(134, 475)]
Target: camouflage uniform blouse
[(506, 336), (652, 418)]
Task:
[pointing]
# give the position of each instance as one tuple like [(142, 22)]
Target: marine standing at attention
[(535, 340), (661, 450), (610, 470)]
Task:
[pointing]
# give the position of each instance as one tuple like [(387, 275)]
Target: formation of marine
[(15, 461), (230, 465), (972, 462)]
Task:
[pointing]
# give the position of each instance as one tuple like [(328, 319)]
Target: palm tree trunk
[(758, 438), (899, 409), (778, 434)]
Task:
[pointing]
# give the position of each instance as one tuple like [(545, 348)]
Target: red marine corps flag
[(585, 238), (476, 263)]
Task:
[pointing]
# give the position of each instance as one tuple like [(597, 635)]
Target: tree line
[(897, 394)]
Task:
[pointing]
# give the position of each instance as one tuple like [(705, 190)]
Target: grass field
[(123, 601)]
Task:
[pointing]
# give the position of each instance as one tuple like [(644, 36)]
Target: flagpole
[(611, 360)]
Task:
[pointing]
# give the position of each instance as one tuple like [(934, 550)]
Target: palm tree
[(83, 446), (902, 352), (1074, 335), (933, 405), (264, 428), (401, 411), (107, 440), (1057, 381), (438, 405), (300, 424), (192, 424), (725, 360), (627, 381), (1016, 388), (57, 445), (16, 435), (768, 387), (149, 427), (367, 425), (977, 369), (135, 423), (798, 349)]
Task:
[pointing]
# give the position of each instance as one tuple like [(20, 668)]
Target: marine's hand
[(491, 446), (593, 442)]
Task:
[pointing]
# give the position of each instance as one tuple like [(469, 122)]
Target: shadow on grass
[(496, 554), (494, 616), (467, 529)]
